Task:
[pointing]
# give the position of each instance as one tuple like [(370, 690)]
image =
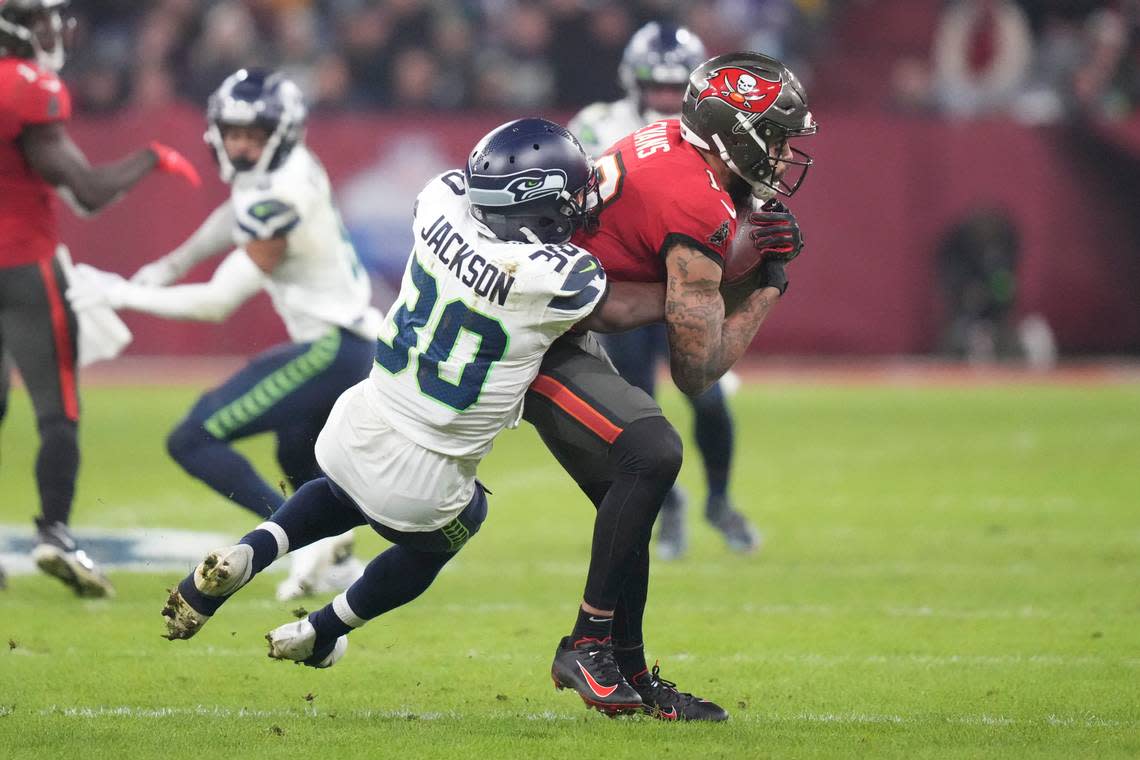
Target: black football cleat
[(587, 666), (661, 699)]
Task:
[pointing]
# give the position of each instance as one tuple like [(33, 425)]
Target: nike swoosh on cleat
[(671, 715), (601, 691)]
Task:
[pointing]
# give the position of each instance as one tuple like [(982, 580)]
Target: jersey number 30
[(456, 317)]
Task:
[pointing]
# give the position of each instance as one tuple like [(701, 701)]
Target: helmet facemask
[(754, 150), (39, 31), (280, 113)]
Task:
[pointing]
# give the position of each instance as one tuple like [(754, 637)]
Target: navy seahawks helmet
[(741, 106), (20, 38), (529, 180), (660, 54), (253, 97)]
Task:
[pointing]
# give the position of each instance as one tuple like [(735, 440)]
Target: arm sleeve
[(211, 238), (263, 218), (235, 281), (575, 296)]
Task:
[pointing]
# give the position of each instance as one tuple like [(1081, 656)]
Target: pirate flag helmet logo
[(741, 89)]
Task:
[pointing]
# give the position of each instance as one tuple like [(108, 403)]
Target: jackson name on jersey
[(475, 315), (320, 282)]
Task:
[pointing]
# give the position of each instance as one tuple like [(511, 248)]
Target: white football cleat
[(224, 571), (295, 641), (182, 620), (322, 567), (57, 554)]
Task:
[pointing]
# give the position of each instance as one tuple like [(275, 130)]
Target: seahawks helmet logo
[(516, 188)]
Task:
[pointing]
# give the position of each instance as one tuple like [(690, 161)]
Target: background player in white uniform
[(655, 71), (490, 284), (291, 243)]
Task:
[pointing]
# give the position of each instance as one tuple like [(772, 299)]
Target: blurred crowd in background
[(1037, 60), (400, 54)]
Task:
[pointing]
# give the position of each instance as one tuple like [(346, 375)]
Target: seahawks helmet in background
[(253, 97), (530, 181), (739, 106), (659, 56), (35, 29)]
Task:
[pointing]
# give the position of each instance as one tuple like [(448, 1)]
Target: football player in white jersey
[(655, 71), (291, 243), (491, 282)]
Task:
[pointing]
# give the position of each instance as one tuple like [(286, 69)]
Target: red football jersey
[(657, 190), (29, 94)]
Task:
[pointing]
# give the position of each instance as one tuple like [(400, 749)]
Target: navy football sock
[(394, 578), (206, 605), (713, 430), (313, 513)]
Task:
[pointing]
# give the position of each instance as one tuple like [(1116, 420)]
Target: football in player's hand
[(742, 256), (771, 232)]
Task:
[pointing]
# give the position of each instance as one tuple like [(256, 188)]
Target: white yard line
[(99, 712), (803, 659)]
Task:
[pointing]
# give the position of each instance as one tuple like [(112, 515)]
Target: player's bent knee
[(650, 447), (186, 439)]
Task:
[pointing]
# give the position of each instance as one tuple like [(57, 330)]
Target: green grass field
[(946, 573)]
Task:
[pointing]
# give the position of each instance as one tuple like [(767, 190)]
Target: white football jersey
[(320, 283), (464, 340), (600, 125)]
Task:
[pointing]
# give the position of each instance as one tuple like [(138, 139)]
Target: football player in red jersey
[(655, 70), (37, 326), (671, 193)]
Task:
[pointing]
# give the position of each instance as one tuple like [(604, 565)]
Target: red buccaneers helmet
[(740, 106)]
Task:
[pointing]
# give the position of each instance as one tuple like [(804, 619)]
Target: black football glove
[(775, 231)]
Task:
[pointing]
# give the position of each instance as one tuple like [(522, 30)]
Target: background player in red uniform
[(671, 193), (37, 326)]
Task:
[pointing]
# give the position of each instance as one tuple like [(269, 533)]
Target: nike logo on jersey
[(589, 267), (601, 691), (731, 211)]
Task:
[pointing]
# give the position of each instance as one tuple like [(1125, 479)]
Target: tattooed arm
[(703, 342)]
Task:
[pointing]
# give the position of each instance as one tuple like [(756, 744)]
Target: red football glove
[(171, 161), (775, 231)]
